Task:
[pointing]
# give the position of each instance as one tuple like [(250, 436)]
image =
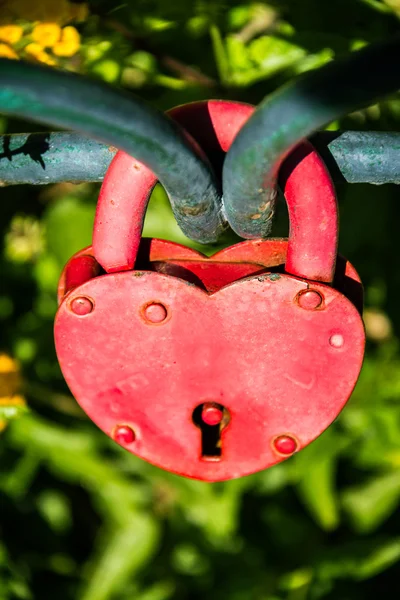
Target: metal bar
[(360, 156), (42, 158), (292, 113), (118, 118)]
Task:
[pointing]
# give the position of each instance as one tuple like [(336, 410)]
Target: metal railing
[(120, 120)]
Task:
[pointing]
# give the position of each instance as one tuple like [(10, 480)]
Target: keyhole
[(211, 418)]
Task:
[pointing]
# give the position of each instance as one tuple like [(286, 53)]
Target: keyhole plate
[(211, 418)]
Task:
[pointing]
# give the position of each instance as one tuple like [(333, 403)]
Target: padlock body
[(279, 367)]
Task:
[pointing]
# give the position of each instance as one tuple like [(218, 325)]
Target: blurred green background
[(82, 519)]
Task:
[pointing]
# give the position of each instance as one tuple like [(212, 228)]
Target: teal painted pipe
[(291, 114), (41, 158), (120, 119)]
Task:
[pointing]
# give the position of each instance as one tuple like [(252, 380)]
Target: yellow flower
[(7, 364), (46, 34), (47, 60), (69, 43), (37, 51), (12, 404), (34, 50), (12, 401), (7, 52), (10, 379), (10, 33)]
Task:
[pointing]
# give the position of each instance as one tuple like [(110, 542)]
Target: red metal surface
[(249, 347), (215, 367), (313, 217), (210, 273)]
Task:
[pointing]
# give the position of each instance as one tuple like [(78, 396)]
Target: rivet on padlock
[(214, 367)]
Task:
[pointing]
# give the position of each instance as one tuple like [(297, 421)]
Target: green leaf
[(220, 54), (238, 54), (369, 504), (358, 560), (122, 553), (380, 559), (273, 54), (316, 469)]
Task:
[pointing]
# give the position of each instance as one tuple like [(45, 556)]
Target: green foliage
[(80, 518)]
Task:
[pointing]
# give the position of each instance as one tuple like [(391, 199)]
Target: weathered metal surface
[(43, 158), (291, 114), (64, 99), (360, 156), (212, 368), (126, 188)]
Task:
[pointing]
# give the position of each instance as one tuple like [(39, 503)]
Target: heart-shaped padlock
[(227, 373)]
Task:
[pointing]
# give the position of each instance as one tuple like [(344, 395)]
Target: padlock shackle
[(307, 186), (292, 113), (119, 118)]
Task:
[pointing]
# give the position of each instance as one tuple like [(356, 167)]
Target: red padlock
[(215, 385)]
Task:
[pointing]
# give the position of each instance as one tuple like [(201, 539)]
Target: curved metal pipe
[(116, 117), (292, 113)]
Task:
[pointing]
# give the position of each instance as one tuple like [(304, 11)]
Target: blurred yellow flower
[(7, 52), (10, 379), (69, 43), (15, 401), (11, 402), (10, 33), (46, 34), (37, 51), (34, 49), (7, 364)]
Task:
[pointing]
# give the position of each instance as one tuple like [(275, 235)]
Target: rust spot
[(138, 273), (136, 167), (112, 149), (112, 202), (192, 211), (263, 207)]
